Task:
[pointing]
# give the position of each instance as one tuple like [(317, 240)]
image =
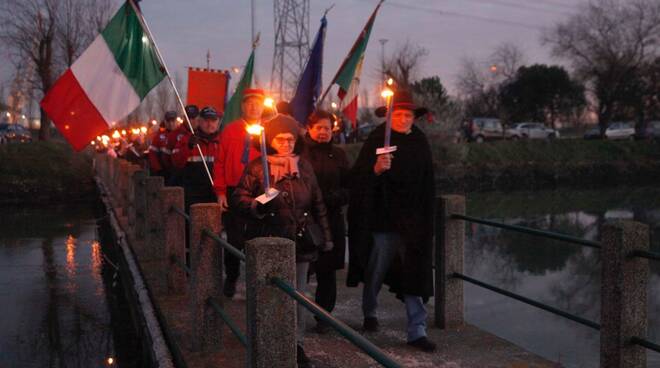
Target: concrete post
[(122, 188), (136, 221), (449, 240), (271, 330), (206, 278), (624, 283), (175, 237), (152, 253), (114, 186)]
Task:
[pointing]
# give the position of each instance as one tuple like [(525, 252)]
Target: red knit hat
[(254, 92)]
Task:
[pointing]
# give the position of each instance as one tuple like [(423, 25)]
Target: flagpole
[(143, 22), (346, 58)]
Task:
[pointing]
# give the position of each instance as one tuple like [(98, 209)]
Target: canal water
[(59, 302), (562, 275)]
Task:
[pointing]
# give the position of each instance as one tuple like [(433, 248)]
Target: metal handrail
[(531, 302), (530, 231), (645, 343), (233, 250), (181, 212), (230, 322), (367, 346), (645, 254), (175, 260)]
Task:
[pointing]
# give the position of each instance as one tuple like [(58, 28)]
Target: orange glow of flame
[(116, 134), (387, 93), (254, 129)]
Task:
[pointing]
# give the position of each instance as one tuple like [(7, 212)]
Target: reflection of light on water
[(71, 255), (97, 259)]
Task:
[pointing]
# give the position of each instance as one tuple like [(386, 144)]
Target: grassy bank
[(44, 173), (529, 165)]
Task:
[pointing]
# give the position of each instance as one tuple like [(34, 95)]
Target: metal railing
[(530, 231), (654, 256), (372, 350), (351, 335)]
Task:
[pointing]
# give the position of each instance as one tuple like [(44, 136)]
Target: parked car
[(620, 130), (652, 131), (593, 133), (531, 131), (14, 133), (615, 131), (486, 129)]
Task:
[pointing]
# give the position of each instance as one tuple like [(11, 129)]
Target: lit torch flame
[(116, 135), (269, 102), (387, 93), (254, 129)]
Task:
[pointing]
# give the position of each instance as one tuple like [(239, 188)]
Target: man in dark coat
[(390, 220), (331, 169)]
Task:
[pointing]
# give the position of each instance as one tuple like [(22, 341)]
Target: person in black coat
[(298, 205), (331, 169), (390, 220)]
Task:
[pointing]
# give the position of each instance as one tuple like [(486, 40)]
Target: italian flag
[(348, 76), (107, 82)]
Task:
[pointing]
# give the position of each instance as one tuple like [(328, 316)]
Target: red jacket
[(228, 168), (175, 136), (195, 180), (159, 156)]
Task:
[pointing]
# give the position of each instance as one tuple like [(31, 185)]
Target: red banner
[(207, 88)]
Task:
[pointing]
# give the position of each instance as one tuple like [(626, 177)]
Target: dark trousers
[(326, 290), (235, 226)]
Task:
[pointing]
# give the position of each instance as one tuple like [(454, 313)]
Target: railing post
[(136, 220), (206, 279), (152, 253), (271, 322), (449, 240), (624, 283), (175, 237), (122, 188)]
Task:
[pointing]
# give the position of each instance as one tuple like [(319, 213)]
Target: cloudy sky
[(449, 29)]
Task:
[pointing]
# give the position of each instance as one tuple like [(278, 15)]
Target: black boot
[(302, 359), (370, 324), (423, 344), (229, 289)]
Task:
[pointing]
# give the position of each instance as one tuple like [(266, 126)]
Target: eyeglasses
[(281, 141)]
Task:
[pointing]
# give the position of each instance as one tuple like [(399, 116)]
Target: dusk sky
[(449, 29)]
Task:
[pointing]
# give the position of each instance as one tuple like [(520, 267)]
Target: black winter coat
[(331, 169), (399, 200), (300, 200)]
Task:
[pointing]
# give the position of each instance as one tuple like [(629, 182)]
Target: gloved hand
[(328, 246), (193, 141)]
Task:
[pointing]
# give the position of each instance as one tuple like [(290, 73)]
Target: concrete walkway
[(467, 347)]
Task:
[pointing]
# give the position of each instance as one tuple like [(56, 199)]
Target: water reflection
[(54, 299), (563, 275)]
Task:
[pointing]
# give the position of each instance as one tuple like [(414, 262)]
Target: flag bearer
[(186, 157)]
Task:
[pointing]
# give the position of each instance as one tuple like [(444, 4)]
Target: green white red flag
[(348, 76), (107, 82)]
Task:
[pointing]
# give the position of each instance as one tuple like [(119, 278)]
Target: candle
[(256, 129), (388, 121), (264, 161)]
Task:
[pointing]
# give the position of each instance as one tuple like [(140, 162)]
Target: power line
[(520, 6), (461, 15)]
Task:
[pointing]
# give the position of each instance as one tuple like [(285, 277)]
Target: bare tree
[(404, 63), (506, 60), (607, 41), (28, 28)]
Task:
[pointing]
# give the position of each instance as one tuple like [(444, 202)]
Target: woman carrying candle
[(295, 212)]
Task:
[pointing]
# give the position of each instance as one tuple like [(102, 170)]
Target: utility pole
[(208, 60), (291, 45)]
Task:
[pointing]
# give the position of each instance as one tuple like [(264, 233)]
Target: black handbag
[(310, 236)]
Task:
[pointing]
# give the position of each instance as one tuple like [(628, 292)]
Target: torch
[(388, 95), (269, 193)]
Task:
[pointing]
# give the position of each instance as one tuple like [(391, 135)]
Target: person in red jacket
[(236, 151), (192, 111), (186, 157), (159, 158)]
